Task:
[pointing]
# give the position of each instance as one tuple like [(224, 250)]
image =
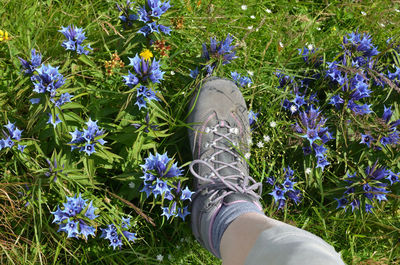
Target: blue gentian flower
[(241, 81), (127, 18), (53, 121), (194, 73), (30, 67), (75, 37), (223, 50), (336, 100), (47, 80), (253, 117), (150, 13), (366, 139), (145, 71)]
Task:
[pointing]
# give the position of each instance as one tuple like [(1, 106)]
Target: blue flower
[(361, 43), (194, 73), (241, 81), (30, 67), (253, 117), (183, 212), (127, 18), (52, 121), (64, 98), (47, 79), (21, 147), (145, 70), (342, 202), (75, 37), (71, 228), (278, 194), (366, 139), (186, 194), (150, 13), (86, 230), (336, 100)]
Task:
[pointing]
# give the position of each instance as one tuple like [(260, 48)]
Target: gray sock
[(226, 215)]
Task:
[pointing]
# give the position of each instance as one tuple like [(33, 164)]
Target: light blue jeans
[(289, 245)]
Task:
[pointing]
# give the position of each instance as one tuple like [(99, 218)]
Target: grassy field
[(267, 36)]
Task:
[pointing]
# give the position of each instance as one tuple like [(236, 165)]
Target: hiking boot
[(219, 138)]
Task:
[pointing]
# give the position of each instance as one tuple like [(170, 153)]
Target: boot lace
[(217, 185)]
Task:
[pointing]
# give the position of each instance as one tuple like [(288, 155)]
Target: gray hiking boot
[(219, 138)]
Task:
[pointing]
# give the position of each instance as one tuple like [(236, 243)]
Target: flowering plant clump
[(311, 126), (12, 134), (160, 178), (46, 81), (76, 217), (367, 187), (353, 81), (75, 37), (241, 81), (285, 190), (218, 52), (146, 72), (150, 13), (87, 140), (114, 234)]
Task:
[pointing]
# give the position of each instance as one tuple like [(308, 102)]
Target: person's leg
[(254, 239), (227, 217)]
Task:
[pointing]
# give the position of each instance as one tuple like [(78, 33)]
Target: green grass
[(27, 234)]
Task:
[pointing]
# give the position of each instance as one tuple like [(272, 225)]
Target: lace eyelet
[(207, 130)]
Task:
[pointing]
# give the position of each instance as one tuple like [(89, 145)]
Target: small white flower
[(260, 144), (247, 156), (172, 73), (363, 13), (182, 239), (251, 73), (308, 170), (244, 7), (272, 124), (310, 46), (250, 142), (250, 27), (293, 108), (318, 28), (397, 10), (131, 185), (160, 257), (266, 138), (382, 25), (169, 256), (252, 17), (178, 247), (281, 44), (268, 11)]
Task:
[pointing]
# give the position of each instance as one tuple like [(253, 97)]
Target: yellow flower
[(3, 35), (146, 54)]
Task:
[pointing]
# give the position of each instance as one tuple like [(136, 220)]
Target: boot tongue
[(226, 157)]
